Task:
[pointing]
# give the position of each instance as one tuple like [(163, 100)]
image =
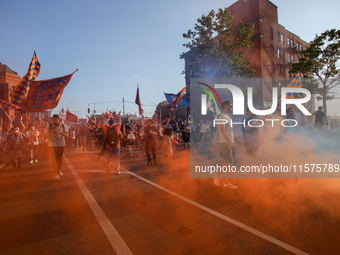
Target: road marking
[(223, 217), (90, 171), (111, 233)]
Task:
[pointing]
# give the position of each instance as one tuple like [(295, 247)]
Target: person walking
[(112, 142), (56, 133), (150, 139), (33, 142), (226, 143), (15, 143)]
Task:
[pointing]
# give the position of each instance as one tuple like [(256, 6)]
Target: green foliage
[(320, 60), (215, 47)]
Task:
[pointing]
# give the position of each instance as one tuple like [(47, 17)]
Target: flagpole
[(123, 109), (6, 113)]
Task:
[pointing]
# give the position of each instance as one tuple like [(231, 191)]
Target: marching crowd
[(116, 138), (119, 138)]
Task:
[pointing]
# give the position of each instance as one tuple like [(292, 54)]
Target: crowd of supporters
[(31, 142)]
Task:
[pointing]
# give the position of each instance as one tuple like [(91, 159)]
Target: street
[(161, 210)]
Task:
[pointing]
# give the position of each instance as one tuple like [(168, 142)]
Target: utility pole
[(123, 109)]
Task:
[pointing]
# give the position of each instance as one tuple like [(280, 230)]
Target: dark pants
[(150, 147), (57, 157)]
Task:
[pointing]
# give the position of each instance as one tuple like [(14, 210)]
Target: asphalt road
[(160, 210)]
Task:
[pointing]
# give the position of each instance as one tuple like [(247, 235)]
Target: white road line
[(90, 171), (111, 233), (223, 217)]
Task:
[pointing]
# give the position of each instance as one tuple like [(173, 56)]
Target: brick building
[(274, 49), (8, 79)]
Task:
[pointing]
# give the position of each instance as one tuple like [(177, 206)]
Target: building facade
[(8, 79), (274, 51)]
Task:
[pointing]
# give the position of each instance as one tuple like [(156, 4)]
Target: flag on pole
[(170, 98), (47, 118), (91, 122), (137, 101), (179, 96), (44, 95), (71, 117), (294, 83), (17, 121), (19, 93)]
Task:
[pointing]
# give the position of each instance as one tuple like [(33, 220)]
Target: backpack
[(112, 137)]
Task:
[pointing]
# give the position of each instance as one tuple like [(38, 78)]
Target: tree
[(160, 111), (320, 59), (216, 47)]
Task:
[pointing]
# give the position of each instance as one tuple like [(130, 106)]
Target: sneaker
[(57, 178), (132, 156), (31, 162), (61, 173), (118, 172), (216, 182), (36, 161), (229, 186), (149, 162)]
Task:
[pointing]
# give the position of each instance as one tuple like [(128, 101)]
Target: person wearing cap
[(57, 132), (113, 151)]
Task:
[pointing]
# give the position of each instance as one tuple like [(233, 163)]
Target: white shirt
[(227, 128)]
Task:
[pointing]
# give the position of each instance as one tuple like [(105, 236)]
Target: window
[(292, 43), (279, 68), (297, 46), (282, 39), (273, 68), (301, 47), (271, 33), (271, 50), (292, 58), (278, 53), (288, 59), (288, 42), (305, 47), (278, 37)]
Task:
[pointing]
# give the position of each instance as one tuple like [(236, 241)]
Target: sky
[(119, 44)]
